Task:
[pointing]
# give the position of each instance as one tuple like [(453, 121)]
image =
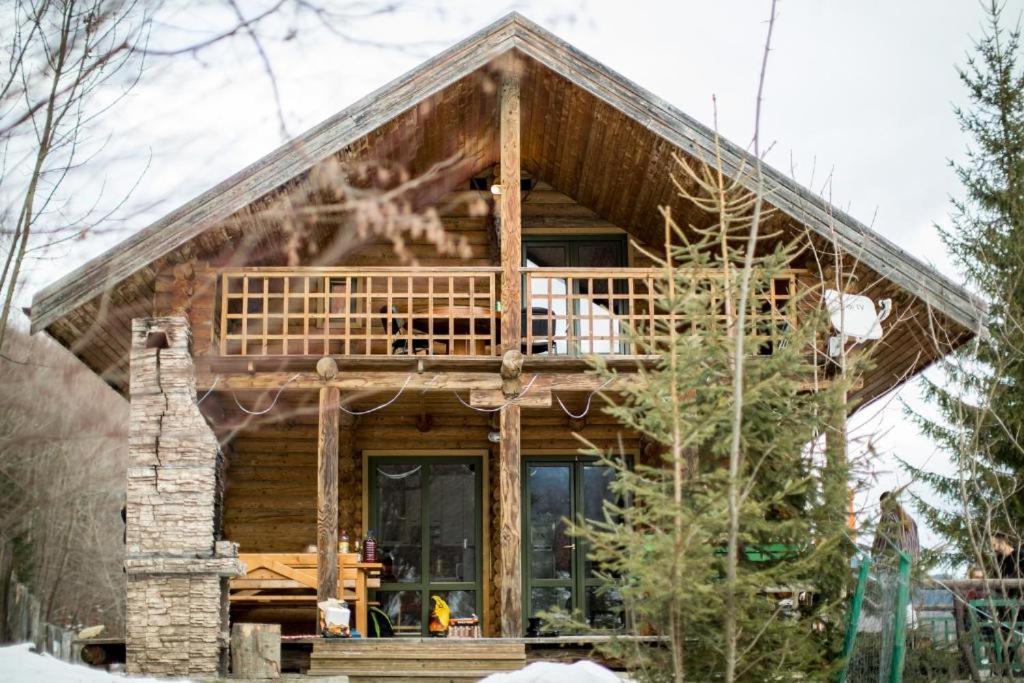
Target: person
[(1007, 565), (895, 534), (896, 531), (1007, 556)]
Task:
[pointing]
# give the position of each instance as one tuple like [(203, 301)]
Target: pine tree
[(667, 554), (980, 399)]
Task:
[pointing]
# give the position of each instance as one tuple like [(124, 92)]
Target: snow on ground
[(19, 664), (550, 672)]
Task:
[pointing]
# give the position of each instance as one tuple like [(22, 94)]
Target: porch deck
[(449, 659)]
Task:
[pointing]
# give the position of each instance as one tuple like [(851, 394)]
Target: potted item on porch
[(464, 627), (334, 618), (380, 625), (439, 618), (343, 543)]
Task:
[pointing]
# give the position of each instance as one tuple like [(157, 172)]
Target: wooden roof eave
[(510, 32), (689, 135), (272, 171)]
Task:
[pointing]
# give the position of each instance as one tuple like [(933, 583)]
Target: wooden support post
[(327, 486), (511, 214), (510, 505)]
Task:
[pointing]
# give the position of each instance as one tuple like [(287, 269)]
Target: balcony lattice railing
[(358, 311), (580, 311), (455, 311)]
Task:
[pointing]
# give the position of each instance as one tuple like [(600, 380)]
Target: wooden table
[(461, 318), (290, 578)]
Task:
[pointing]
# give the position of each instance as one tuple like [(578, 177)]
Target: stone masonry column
[(177, 570)]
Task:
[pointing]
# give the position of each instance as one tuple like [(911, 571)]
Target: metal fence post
[(855, 607), (899, 645)]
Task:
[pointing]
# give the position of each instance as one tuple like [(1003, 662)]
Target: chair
[(401, 346), (541, 329)]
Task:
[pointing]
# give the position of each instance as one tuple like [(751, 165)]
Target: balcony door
[(556, 571), (584, 251), (427, 515)]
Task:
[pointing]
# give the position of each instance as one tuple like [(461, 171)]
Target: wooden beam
[(427, 381), (511, 212), (511, 595), (492, 398), (327, 495), (349, 381), (362, 364)]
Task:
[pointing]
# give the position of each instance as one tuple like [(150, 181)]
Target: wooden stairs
[(397, 660)]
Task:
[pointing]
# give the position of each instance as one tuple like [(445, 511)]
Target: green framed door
[(427, 515), (556, 571)]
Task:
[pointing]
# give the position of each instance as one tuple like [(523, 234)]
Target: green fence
[(973, 631), (995, 635), (875, 646)]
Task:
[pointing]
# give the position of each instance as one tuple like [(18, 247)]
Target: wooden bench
[(290, 579)]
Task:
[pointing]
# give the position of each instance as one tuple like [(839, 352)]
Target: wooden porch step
[(397, 660)]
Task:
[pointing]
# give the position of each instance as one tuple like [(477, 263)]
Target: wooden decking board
[(415, 659)]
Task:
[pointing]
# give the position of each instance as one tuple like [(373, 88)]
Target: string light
[(382, 405), (210, 390), (589, 398), (272, 404)]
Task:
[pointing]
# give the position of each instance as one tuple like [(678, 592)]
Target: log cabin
[(289, 395)]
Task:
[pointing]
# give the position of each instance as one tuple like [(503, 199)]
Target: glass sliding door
[(557, 574), (593, 324), (427, 515)]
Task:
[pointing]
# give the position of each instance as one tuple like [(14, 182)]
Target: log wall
[(271, 499)]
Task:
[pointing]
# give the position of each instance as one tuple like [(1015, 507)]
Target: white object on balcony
[(854, 317)]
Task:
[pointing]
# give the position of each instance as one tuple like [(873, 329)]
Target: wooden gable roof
[(585, 128)]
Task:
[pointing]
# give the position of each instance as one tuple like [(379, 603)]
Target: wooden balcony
[(359, 312), (583, 311), (567, 312)]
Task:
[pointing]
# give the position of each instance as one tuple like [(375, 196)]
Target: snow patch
[(551, 672), (19, 664)]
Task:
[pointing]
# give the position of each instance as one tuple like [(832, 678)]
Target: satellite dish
[(854, 317)]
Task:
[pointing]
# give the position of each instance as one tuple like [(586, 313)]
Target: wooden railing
[(358, 311), (455, 311), (580, 311)]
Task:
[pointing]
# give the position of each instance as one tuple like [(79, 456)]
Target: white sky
[(858, 91)]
